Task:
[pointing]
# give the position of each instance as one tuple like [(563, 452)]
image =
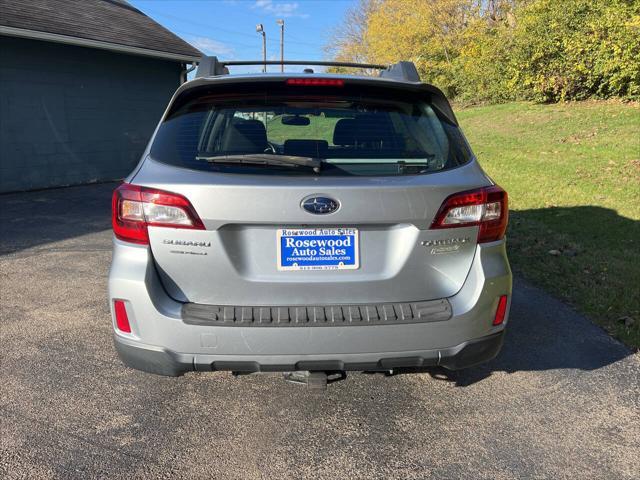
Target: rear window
[(346, 131)]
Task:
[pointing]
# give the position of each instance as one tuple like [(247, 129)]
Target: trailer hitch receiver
[(315, 381)]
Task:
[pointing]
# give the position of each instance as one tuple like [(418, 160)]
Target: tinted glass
[(350, 134)]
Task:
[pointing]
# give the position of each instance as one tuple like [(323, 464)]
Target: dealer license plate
[(318, 249)]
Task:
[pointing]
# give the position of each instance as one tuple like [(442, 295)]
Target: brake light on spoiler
[(134, 208), (316, 82), (485, 207)]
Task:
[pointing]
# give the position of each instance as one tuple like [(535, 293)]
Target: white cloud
[(279, 9), (212, 47)]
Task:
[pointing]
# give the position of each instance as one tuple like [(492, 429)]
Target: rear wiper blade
[(265, 159)]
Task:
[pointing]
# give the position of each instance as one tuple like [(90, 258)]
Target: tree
[(497, 50), (348, 43), (429, 33)]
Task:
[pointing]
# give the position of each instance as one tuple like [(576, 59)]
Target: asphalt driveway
[(561, 401)]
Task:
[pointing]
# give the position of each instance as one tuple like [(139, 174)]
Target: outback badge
[(445, 245)]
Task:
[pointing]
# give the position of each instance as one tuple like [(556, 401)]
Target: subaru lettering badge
[(320, 205)]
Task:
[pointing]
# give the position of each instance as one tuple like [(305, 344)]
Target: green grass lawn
[(573, 176)]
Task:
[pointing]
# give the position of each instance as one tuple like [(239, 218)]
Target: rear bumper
[(163, 341), (165, 362)]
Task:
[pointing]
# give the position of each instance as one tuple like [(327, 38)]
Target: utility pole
[(280, 22), (260, 29)]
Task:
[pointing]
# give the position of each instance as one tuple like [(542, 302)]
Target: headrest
[(372, 131), (246, 136), (251, 127), (344, 133)]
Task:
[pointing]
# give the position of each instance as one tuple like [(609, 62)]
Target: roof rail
[(403, 71)]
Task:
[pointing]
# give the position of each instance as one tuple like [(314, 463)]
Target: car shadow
[(31, 219), (545, 333)]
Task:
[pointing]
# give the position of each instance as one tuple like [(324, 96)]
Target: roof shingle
[(111, 21)]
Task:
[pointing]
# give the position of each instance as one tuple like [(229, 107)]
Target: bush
[(577, 49), (482, 69)]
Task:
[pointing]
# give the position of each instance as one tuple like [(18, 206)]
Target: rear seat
[(365, 134), (306, 148), (351, 137)]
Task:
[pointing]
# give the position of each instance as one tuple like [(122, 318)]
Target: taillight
[(485, 207), (134, 208), (316, 82), (122, 320)]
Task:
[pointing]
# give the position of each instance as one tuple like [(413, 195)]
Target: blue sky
[(226, 28)]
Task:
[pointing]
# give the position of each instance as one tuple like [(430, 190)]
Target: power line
[(201, 24), (233, 44), (222, 42), (221, 29)]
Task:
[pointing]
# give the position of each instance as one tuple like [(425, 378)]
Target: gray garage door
[(71, 115)]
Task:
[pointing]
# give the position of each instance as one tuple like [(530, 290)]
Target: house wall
[(72, 115)]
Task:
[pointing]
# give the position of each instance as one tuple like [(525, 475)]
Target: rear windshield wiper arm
[(265, 159)]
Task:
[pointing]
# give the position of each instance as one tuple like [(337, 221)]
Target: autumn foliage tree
[(348, 43), (497, 50), (428, 33)]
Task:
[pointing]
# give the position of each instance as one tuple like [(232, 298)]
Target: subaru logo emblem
[(320, 205)]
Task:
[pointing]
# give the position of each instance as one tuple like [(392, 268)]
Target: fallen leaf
[(627, 320)]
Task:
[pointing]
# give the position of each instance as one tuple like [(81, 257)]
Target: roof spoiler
[(401, 71)]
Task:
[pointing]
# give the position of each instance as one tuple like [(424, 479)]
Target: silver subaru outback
[(308, 223)]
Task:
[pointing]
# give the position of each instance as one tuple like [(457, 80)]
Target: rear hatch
[(310, 194)]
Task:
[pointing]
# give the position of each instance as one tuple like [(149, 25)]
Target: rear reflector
[(134, 208), (485, 207), (122, 320), (316, 82), (501, 310)]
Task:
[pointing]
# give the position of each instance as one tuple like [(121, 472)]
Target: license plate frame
[(326, 259)]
